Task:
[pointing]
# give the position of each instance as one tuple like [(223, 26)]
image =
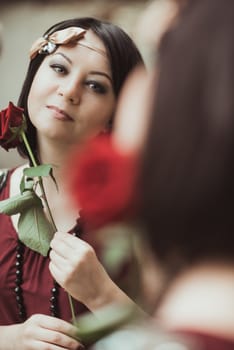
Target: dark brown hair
[(187, 179)]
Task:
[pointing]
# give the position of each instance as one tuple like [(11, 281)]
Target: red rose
[(11, 124), (102, 183)]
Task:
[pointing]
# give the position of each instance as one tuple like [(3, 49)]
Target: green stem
[(31, 155), (72, 307), (33, 160)]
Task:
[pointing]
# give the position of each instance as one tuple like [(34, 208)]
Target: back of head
[(188, 169)]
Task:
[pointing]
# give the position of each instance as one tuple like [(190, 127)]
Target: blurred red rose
[(11, 124), (102, 183)]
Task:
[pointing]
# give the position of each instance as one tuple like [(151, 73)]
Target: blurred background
[(22, 22)]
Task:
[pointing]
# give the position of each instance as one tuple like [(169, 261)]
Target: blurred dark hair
[(187, 179), (121, 50)]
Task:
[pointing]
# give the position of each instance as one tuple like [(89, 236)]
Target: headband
[(49, 42)]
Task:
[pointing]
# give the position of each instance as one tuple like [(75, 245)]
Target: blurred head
[(187, 179), (134, 102), (121, 53)]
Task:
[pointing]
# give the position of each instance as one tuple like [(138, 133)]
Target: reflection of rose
[(11, 125), (102, 182)]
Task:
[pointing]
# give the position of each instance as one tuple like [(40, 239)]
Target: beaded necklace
[(54, 292)]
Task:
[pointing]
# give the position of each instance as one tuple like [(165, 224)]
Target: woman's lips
[(60, 114)]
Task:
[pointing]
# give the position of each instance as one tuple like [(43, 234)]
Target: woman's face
[(72, 96), (134, 110)]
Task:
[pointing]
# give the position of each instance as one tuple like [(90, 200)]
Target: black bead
[(52, 307), (54, 291), (21, 307), (18, 273), (18, 281), (53, 299), (19, 293), (20, 248), (18, 290), (19, 298), (22, 314)]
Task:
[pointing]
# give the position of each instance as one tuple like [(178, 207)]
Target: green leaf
[(35, 231), (18, 203), (40, 170), (91, 328), (26, 183), (22, 184)]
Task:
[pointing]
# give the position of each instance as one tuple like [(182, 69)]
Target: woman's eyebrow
[(92, 72), (102, 73), (64, 56)]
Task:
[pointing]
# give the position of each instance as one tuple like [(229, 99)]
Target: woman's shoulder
[(5, 176), (10, 179), (15, 179)]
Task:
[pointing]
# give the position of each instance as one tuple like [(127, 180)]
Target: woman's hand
[(75, 266), (40, 332)]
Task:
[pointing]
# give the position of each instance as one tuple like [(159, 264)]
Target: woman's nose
[(71, 91)]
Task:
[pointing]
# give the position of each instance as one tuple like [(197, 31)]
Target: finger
[(57, 259), (57, 274), (69, 246), (61, 242), (40, 330), (69, 239), (40, 345), (64, 255), (56, 324), (57, 338)]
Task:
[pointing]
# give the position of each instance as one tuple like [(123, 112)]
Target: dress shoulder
[(3, 178)]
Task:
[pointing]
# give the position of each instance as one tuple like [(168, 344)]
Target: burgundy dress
[(37, 280)]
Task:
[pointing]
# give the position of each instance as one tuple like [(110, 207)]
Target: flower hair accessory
[(49, 42)]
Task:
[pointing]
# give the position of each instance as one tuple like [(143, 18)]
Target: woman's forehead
[(89, 50), (92, 42)]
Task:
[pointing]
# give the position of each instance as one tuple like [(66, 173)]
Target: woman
[(69, 94), (187, 176)]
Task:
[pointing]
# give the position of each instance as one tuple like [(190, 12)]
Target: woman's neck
[(59, 197), (53, 152), (201, 299)]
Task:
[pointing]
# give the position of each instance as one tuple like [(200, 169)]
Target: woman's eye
[(58, 68), (96, 87)]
